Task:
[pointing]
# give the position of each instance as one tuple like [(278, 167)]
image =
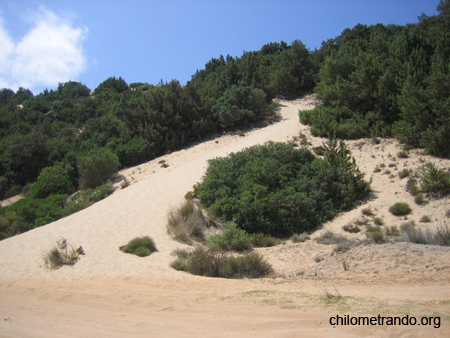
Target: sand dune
[(111, 294)]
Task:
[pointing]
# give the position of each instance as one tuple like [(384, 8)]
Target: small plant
[(391, 231), (232, 238), (425, 219), (407, 225), (378, 221), (140, 246), (387, 172), (330, 294), (351, 228), (400, 209), (125, 183), (261, 240), (299, 238), (62, 254), (345, 265), (413, 190), (420, 199), (404, 173), (371, 228), (402, 154), (367, 211), (376, 236), (329, 238), (377, 169), (318, 259)]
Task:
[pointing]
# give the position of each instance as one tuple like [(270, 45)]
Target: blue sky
[(46, 42)]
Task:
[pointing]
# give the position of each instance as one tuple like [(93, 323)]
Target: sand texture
[(112, 294)]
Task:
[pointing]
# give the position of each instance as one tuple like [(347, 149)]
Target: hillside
[(109, 293)]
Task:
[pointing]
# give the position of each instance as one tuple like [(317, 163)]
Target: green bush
[(279, 190), (53, 180), (96, 167), (215, 263), (232, 238), (140, 246), (400, 209), (434, 180)]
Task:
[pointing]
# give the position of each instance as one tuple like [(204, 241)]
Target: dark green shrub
[(232, 238), (434, 180), (400, 209), (96, 167), (53, 180), (279, 190), (140, 246)]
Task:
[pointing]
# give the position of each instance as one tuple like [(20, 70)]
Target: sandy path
[(111, 294)]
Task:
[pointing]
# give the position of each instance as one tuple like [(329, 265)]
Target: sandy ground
[(112, 294)]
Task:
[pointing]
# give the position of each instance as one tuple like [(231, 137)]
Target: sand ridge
[(110, 294)]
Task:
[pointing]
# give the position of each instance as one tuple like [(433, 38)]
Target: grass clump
[(232, 238), (62, 254), (404, 173), (300, 238), (140, 246), (391, 231), (351, 228), (367, 211), (378, 221), (376, 236), (216, 263), (330, 238), (419, 199), (440, 236), (400, 209), (187, 224), (260, 240), (425, 219)]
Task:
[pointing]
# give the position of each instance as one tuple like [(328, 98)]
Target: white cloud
[(49, 53)]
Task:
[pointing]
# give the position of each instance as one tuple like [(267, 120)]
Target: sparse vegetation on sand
[(215, 263), (62, 254), (440, 236), (140, 246), (187, 223)]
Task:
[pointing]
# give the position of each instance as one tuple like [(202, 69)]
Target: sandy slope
[(111, 294)]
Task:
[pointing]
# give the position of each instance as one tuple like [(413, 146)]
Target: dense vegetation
[(279, 190), (376, 80), (388, 80)]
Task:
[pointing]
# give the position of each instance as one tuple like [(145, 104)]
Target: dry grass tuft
[(187, 224)]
